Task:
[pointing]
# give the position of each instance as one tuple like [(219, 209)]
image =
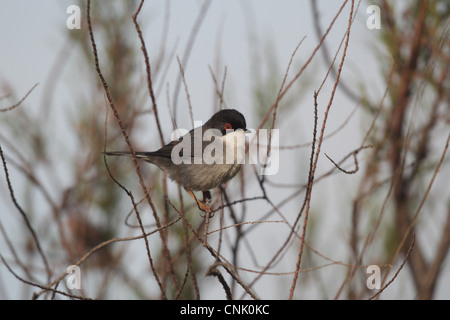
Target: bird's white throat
[(235, 147), (227, 149), (211, 148)]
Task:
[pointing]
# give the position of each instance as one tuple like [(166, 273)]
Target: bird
[(204, 158)]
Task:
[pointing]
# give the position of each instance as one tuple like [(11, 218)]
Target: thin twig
[(422, 202), (218, 258), (305, 65), (355, 159), (316, 158), (188, 96), (24, 216), (102, 245), (34, 284), (187, 51), (128, 142), (21, 100), (148, 71), (213, 271), (398, 271)]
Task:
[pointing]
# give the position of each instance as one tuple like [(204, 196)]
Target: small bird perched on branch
[(203, 158)]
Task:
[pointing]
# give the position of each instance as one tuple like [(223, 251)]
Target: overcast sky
[(33, 32)]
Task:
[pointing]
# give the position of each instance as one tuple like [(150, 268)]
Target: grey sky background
[(33, 33)]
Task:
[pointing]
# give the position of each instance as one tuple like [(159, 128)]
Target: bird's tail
[(139, 155)]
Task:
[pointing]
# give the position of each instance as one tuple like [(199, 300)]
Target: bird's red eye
[(227, 126)]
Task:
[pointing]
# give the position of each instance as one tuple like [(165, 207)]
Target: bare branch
[(21, 100)]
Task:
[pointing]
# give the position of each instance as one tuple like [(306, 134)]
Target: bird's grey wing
[(164, 152), (191, 147)]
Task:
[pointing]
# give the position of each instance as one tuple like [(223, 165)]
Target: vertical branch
[(398, 145), (316, 157), (188, 96), (274, 114), (24, 216), (149, 72), (418, 69), (427, 278), (127, 140), (307, 198), (155, 110), (187, 51), (264, 120), (305, 65)]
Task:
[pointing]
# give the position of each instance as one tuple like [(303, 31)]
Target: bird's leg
[(206, 197), (204, 207)]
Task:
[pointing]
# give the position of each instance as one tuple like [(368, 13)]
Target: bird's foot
[(203, 206)]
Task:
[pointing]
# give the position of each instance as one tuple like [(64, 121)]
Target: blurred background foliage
[(59, 175)]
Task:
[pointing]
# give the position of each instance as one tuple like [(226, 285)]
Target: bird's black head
[(227, 119)]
